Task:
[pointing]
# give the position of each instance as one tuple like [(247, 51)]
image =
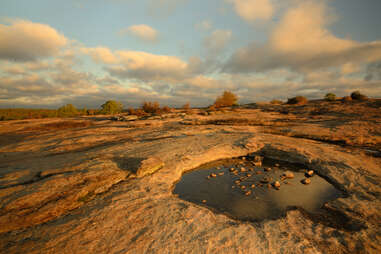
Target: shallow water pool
[(244, 191)]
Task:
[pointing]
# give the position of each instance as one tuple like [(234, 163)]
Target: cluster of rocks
[(244, 174), (308, 174)]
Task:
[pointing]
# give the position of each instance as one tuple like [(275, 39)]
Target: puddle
[(257, 200)]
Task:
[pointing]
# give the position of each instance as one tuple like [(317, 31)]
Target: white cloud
[(100, 54), (24, 40), (146, 66), (252, 10), (143, 32)]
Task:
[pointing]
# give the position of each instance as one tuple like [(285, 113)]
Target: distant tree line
[(111, 107)]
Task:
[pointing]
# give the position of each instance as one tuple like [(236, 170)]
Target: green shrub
[(111, 107), (67, 111), (330, 97), (298, 100), (356, 95), (227, 99)]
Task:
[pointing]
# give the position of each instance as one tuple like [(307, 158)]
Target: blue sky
[(174, 51)]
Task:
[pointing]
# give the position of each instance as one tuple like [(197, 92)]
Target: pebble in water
[(310, 173), (253, 186), (306, 181), (257, 163), (213, 175), (221, 173), (247, 193), (288, 174), (265, 179), (243, 169), (276, 185)]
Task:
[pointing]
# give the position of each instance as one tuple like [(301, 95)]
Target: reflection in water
[(225, 193)]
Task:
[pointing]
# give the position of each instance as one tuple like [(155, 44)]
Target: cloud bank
[(23, 40), (302, 42)]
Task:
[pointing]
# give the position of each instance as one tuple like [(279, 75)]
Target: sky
[(86, 52)]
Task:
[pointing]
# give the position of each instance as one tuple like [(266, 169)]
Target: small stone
[(233, 187), (258, 158), (277, 165), (248, 174), (237, 181), (257, 163), (276, 185), (265, 180), (267, 169), (232, 169), (306, 181), (213, 175), (243, 169), (204, 201), (288, 174), (310, 173), (243, 158), (243, 187), (221, 173), (253, 186), (247, 193)]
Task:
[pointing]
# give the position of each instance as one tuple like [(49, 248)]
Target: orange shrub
[(227, 99), (151, 107)]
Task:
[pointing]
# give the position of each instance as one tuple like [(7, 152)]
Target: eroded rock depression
[(108, 188)]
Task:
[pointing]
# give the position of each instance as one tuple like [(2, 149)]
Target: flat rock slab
[(107, 188)]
